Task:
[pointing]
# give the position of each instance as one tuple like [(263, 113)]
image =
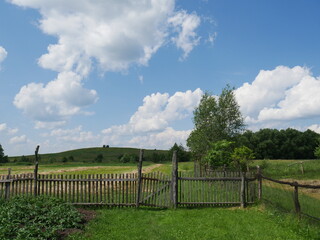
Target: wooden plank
[(139, 180)]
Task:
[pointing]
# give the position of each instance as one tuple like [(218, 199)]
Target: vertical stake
[(8, 184), (243, 191), (296, 199), (36, 172), (139, 185), (174, 195), (259, 183)]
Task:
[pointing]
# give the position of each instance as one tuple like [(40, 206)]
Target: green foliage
[(280, 144), (219, 154), (126, 158), (158, 157), (215, 119), (242, 157), (28, 217), (98, 158), (182, 154), (3, 158)]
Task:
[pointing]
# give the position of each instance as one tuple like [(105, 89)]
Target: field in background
[(89, 154)]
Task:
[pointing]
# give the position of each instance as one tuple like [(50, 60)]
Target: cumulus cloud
[(73, 135), (113, 34), (185, 25), (153, 118), (281, 94), (3, 126), (315, 128), (3, 55), (18, 139), (55, 101)]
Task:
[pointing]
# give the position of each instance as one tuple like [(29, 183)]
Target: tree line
[(281, 144)]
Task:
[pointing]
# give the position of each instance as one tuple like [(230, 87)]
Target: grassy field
[(286, 169), (89, 154), (203, 223)]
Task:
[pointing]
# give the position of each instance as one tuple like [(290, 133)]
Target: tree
[(3, 158), (215, 119), (99, 158), (241, 157), (182, 154), (219, 154)]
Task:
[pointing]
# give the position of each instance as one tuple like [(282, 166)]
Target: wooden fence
[(151, 189)]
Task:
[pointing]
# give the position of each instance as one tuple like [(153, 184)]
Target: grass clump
[(42, 217)]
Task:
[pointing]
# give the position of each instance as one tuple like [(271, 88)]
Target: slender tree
[(215, 119)]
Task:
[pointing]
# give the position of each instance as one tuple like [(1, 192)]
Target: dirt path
[(147, 169)]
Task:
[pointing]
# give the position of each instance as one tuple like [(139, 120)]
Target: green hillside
[(90, 154)]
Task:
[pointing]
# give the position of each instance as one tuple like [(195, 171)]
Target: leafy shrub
[(28, 217)]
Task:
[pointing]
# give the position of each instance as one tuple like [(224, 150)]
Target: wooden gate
[(156, 190)]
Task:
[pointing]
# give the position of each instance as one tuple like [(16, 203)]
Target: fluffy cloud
[(3, 126), (280, 94), (149, 125), (57, 100), (73, 135), (3, 55), (185, 25), (18, 139), (114, 33), (315, 127)]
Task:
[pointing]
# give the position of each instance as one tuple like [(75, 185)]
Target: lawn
[(202, 223)]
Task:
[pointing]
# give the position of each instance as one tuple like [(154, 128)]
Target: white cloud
[(3, 126), (73, 135), (55, 101), (158, 110), (149, 125), (12, 131), (281, 94), (315, 128), (18, 139), (49, 125), (3, 55), (185, 25), (115, 33)]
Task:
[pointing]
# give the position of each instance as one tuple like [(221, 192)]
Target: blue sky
[(82, 73)]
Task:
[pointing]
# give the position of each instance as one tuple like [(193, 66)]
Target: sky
[(87, 73)]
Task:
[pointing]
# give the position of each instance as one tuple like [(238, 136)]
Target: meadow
[(260, 221)]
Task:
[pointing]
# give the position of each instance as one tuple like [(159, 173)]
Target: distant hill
[(112, 154)]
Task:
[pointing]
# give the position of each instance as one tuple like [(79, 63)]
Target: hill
[(112, 154)]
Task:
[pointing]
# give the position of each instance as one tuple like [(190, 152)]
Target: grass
[(203, 223), (281, 169)]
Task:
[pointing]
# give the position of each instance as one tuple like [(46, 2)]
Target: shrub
[(28, 217)]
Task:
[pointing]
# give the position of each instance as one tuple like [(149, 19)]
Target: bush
[(28, 217)]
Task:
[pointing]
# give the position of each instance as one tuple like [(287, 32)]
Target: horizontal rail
[(89, 180), (210, 178), (293, 184)]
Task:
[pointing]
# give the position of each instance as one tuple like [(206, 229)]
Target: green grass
[(204, 223), (281, 169)]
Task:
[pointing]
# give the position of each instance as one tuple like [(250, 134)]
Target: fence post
[(259, 183), (296, 199), (36, 172), (8, 184), (174, 195), (243, 191), (139, 184)]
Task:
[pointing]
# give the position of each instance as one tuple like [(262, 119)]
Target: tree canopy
[(215, 119), (3, 158)]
